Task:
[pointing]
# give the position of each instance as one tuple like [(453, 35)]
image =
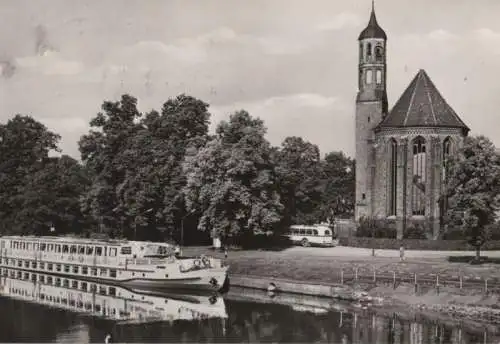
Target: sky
[(292, 63)]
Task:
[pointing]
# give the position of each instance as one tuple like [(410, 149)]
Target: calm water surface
[(44, 308)]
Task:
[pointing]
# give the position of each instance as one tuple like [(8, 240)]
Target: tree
[(104, 152), (299, 173), (338, 185), (151, 191), (50, 197), (231, 181), (472, 190), (25, 145)]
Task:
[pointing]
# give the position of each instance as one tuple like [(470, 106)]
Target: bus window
[(315, 231), (90, 250), (72, 249), (126, 250), (309, 232), (327, 232), (98, 251), (81, 249), (112, 252), (302, 232), (65, 248), (58, 248)]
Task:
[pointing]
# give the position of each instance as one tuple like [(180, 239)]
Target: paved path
[(344, 251)]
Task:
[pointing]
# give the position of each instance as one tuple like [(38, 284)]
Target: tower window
[(368, 50), (419, 176), (361, 51), (368, 119), (363, 196), (378, 76), (393, 177), (369, 76), (379, 53)]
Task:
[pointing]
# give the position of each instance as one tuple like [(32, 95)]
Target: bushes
[(266, 241), (415, 230), (416, 244), (378, 228)]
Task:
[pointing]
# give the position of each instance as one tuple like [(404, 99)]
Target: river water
[(34, 308)]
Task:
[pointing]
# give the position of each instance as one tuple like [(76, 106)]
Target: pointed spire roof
[(421, 105), (373, 30)]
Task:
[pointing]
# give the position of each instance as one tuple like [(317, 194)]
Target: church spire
[(373, 30)]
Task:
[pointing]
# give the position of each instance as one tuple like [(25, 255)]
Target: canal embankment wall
[(466, 303)]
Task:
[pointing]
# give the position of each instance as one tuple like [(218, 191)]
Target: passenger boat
[(137, 264), (115, 303)]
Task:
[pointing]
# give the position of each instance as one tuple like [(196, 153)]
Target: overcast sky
[(292, 63)]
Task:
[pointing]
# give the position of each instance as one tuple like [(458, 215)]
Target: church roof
[(421, 105), (373, 30)]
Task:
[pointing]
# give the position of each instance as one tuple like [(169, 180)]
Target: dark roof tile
[(421, 105)]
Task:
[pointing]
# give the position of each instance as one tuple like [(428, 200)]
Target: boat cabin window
[(65, 248), (98, 251), (81, 249), (28, 246), (327, 232), (90, 250), (58, 248), (43, 246), (126, 250), (315, 232), (112, 252), (24, 246), (72, 249)]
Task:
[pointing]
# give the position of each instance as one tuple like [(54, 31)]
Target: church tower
[(371, 108)]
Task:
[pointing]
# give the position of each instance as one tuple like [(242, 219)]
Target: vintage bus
[(314, 235)]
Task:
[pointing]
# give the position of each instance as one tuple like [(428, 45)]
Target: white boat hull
[(214, 279)]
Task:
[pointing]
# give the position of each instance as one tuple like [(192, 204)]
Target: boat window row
[(67, 268), (89, 250), (61, 282)]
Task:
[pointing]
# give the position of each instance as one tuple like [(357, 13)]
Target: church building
[(401, 153)]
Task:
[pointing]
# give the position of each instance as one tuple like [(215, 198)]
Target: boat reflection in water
[(108, 301)]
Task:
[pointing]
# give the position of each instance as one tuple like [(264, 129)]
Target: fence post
[(461, 281), (374, 275), (394, 280), (486, 285), (356, 275), (437, 283), (342, 276), (416, 285)]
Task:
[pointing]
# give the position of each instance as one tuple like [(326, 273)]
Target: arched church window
[(368, 50), (393, 177), (446, 154), (378, 76), (369, 76), (419, 176), (379, 53)]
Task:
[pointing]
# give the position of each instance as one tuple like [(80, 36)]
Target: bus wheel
[(304, 242)]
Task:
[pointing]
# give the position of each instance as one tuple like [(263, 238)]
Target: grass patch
[(472, 260)]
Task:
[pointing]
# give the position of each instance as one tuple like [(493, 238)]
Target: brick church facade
[(400, 153)]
